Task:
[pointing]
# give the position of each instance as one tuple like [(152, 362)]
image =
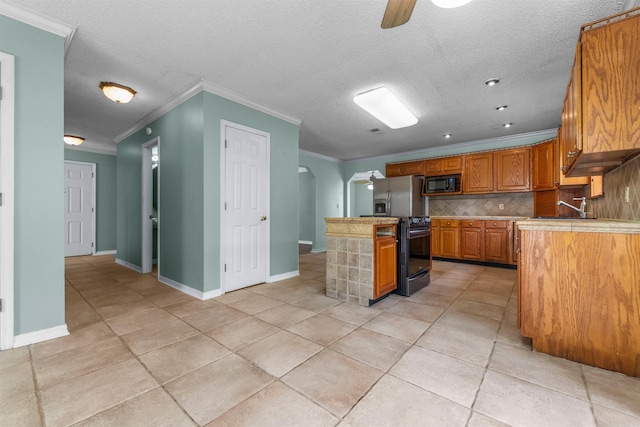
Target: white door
[(78, 198), (247, 214)]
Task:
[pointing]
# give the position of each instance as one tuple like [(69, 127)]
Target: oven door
[(419, 259)]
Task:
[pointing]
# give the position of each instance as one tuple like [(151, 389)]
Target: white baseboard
[(112, 252), (283, 276), (189, 290), (129, 265), (41, 335), (318, 251), (305, 242)]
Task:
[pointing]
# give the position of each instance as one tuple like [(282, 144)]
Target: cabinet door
[(558, 173), (478, 176), (433, 167), (394, 169), (449, 238), (384, 266), (471, 240), (513, 172), (610, 86), (435, 238), (452, 164), (413, 168), (596, 187), (542, 159), (571, 142), (496, 244)]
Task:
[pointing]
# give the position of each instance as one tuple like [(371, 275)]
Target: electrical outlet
[(626, 194), (501, 206)]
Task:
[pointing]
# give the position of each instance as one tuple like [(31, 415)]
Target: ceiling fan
[(366, 181), (398, 12)]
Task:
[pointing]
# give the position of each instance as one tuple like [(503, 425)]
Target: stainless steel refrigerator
[(399, 196)]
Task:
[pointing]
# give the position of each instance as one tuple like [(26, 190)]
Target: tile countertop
[(581, 225), (480, 217)]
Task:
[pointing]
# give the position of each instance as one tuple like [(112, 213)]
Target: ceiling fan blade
[(362, 181), (397, 13)]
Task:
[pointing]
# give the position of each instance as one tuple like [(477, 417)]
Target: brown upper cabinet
[(415, 167), (443, 166), (546, 169), (601, 113), (504, 170)]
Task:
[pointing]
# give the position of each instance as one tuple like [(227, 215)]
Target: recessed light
[(507, 125), (447, 135), (501, 107), (492, 82)]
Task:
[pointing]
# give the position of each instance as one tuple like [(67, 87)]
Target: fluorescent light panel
[(383, 105), (449, 4)]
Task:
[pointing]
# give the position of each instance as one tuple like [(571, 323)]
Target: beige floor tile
[(520, 403), (79, 398), (397, 326), (122, 297), (14, 356), (88, 335), (478, 309), (613, 390), (153, 408), (240, 333), (458, 344), (255, 304), (213, 317), (156, 291), (452, 282), (476, 325), (275, 406), (436, 288), (492, 287), (430, 298), (78, 320), (444, 375), (279, 353), (186, 308), (322, 329), (539, 368), (72, 363), (284, 315), (423, 312), (393, 402), (96, 289), (372, 348), (230, 297), (20, 410), (352, 313), (316, 302), (388, 302), (115, 310), (158, 335), (163, 299), (485, 297), (611, 418), (287, 294), (479, 420), (140, 320), (334, 381), (174, 360), (16, 379), (217, 387)]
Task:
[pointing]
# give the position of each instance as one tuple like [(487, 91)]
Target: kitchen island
[(361, 258), (579, 290)]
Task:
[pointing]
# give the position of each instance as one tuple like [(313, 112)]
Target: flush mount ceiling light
[(117, 93), (450, 4), (492, 82), (507, 125), (447, 135), (73, 140), (383, 105), (501, 107)]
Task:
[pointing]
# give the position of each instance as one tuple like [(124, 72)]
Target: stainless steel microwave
[(442, 184)]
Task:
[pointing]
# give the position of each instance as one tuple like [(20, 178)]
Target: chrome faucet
[(581, 210)]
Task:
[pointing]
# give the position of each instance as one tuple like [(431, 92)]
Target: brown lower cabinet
[(473, 239), (579, 296), (385, 261)]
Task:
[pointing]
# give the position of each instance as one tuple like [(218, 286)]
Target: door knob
[(263, 218)]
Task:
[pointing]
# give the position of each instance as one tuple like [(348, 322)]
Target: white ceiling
[(308, 58)]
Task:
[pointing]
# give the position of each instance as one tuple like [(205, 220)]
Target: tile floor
[(283, 354)]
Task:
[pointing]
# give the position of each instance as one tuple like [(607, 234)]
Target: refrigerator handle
[(388, 207)]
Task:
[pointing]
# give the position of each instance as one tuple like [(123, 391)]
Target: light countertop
[(581, 225), (480, 217)]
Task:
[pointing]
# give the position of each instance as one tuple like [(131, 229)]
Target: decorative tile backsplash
[(515, 204), (613, 204)]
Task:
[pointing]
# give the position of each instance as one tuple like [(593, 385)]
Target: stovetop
[(418, 221)]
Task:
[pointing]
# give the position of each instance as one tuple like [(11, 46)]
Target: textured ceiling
[(308, 58)]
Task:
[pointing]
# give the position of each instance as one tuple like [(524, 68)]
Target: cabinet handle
[(571, 154)]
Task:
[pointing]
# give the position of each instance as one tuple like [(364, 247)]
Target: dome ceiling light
[(492, 82), (501, 107), (73, 140), (450, 4), (118, 93)]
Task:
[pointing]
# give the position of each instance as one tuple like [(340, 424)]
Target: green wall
[(105, 195), (306, 206), (39, 175), (190, 190)]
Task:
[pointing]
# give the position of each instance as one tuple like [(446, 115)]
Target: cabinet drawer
[(471, 223), (495, 224), (449, 223)]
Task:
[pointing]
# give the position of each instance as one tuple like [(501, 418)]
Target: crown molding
[(38, 20), (241, 99), (319, 156), (92, 149), (194, 90)]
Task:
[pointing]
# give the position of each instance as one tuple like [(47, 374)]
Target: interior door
[(246, 225), (78, 197)]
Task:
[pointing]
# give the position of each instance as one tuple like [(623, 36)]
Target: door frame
[(93, 201), (7, 117), (146, 201), (223, 196)]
